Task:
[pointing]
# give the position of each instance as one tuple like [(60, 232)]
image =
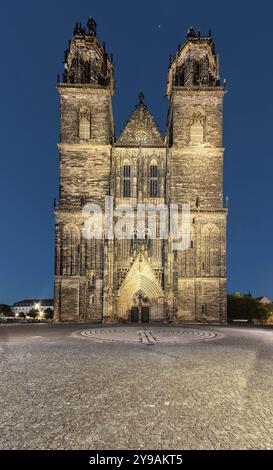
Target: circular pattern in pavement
[(149, 335)]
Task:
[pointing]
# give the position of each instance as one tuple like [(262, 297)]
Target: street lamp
[(41, 314), (37, 306)]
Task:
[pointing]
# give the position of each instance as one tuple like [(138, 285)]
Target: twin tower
[(141, 278)]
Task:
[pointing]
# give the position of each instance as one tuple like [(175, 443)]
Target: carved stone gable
[(141, 129)]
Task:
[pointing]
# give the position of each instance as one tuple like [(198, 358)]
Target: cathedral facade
[(139, 277)]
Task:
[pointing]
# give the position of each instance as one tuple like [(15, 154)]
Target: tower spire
[(141, 98), (86, 60), (92, 26)]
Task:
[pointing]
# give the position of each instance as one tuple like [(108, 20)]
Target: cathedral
[(140, 278)]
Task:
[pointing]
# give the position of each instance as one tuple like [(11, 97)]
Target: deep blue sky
[(141, 35)]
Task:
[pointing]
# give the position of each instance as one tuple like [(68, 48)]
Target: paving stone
[(64, 392)]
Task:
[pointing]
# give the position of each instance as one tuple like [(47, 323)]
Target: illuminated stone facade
[(141, 279)]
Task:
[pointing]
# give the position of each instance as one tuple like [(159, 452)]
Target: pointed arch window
[(197, 133), (153, 185), (126, 180), (84, 124), (211, 250), (71, 250), (197, 127)]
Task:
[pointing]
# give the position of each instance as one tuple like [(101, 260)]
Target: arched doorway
[(140, 297), (140, 311)]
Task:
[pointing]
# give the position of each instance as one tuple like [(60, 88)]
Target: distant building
[(25, 306), (263, 300)]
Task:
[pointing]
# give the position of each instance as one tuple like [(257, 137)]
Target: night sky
[(141, 35)]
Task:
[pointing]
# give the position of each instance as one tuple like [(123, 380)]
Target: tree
[(33, 313), (246, 308), (269, 309), (5, 310), (48, 313)]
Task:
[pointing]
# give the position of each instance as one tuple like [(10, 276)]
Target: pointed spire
[(191, 33), (78, 29), (92, 26), (75, 30), (217, 67), (141, 98), (80, 65)]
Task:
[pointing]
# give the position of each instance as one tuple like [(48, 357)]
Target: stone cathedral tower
[(140, 277)]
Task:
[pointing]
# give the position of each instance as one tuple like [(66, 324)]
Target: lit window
[(153, 171), (197, 133), (126, 181), (153, 181), (84, 129)]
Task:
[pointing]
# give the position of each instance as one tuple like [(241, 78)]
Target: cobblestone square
[(134, 387)]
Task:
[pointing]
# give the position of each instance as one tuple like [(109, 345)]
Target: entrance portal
[(145, 314), (140, 314), (134, 314), (140, 288)]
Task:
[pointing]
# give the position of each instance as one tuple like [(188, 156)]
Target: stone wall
[(84, 178), (98, 101), (90, 274), (201, 300), (197, 169)]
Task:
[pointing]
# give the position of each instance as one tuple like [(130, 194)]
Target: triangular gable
[(141, 129)]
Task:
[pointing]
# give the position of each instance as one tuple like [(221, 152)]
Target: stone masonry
[(140, 278)]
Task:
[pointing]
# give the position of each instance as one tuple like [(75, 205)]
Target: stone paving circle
[(149, 335)]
